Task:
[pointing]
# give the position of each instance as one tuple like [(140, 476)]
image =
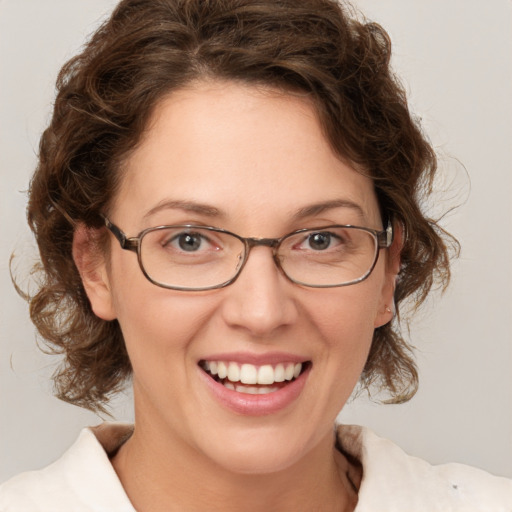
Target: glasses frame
[(383, 238)]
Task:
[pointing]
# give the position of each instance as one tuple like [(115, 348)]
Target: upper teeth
[(251, 374)]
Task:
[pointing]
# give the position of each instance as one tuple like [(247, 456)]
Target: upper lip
[(256, 359)]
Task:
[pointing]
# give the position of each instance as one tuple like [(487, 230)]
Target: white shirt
[(83, 479)]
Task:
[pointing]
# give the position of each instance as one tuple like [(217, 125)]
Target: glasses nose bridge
[(272, 243), (266, 242)]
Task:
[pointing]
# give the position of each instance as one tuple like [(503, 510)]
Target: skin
[(258, 157)]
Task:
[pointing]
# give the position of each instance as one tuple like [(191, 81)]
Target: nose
[(261, 300)]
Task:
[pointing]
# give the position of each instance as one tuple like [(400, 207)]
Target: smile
[(252, 379)]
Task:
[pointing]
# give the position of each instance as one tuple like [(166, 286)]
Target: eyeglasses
[(194, 258)]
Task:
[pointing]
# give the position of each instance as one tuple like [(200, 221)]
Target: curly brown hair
[(106, 94)]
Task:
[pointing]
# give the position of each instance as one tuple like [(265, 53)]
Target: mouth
[(253, 379)]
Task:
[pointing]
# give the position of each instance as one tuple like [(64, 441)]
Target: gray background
[(455, 59)]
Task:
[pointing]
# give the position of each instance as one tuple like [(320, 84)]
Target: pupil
[(320, 241), (189, 242)]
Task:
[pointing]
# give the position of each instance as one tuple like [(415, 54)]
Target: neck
[(161, 473)]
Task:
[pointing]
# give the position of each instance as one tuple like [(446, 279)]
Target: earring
[(391, 309)]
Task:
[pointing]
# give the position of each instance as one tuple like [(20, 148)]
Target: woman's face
[(255, 163)]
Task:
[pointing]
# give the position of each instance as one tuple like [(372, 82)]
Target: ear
[(386, 310), (91, 262)]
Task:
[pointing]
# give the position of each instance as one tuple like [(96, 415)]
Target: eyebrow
[(212, 211), (188, 206), (317, 208)]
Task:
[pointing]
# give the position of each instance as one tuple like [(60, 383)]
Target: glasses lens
[(194, 258), (189, 257), (333, 256)]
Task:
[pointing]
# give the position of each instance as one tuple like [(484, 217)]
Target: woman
[(227, 210)]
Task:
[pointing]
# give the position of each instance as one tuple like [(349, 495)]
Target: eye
[(188, 242), (319, 241)]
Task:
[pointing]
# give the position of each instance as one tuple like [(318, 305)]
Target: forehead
[(248, 152)]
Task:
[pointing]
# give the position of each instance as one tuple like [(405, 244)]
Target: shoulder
[(395, 481), (83, 479)]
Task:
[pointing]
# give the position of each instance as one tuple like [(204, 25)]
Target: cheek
[(159, 321), (156, 323), (344, 318), (347, 312)]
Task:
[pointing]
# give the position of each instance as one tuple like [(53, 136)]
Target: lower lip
[(256, 405)]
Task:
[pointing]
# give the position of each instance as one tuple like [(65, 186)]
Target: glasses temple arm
[(386, 237), (126, 243)]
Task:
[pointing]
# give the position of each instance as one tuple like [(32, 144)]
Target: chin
[(256, 451), (255, 462)]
